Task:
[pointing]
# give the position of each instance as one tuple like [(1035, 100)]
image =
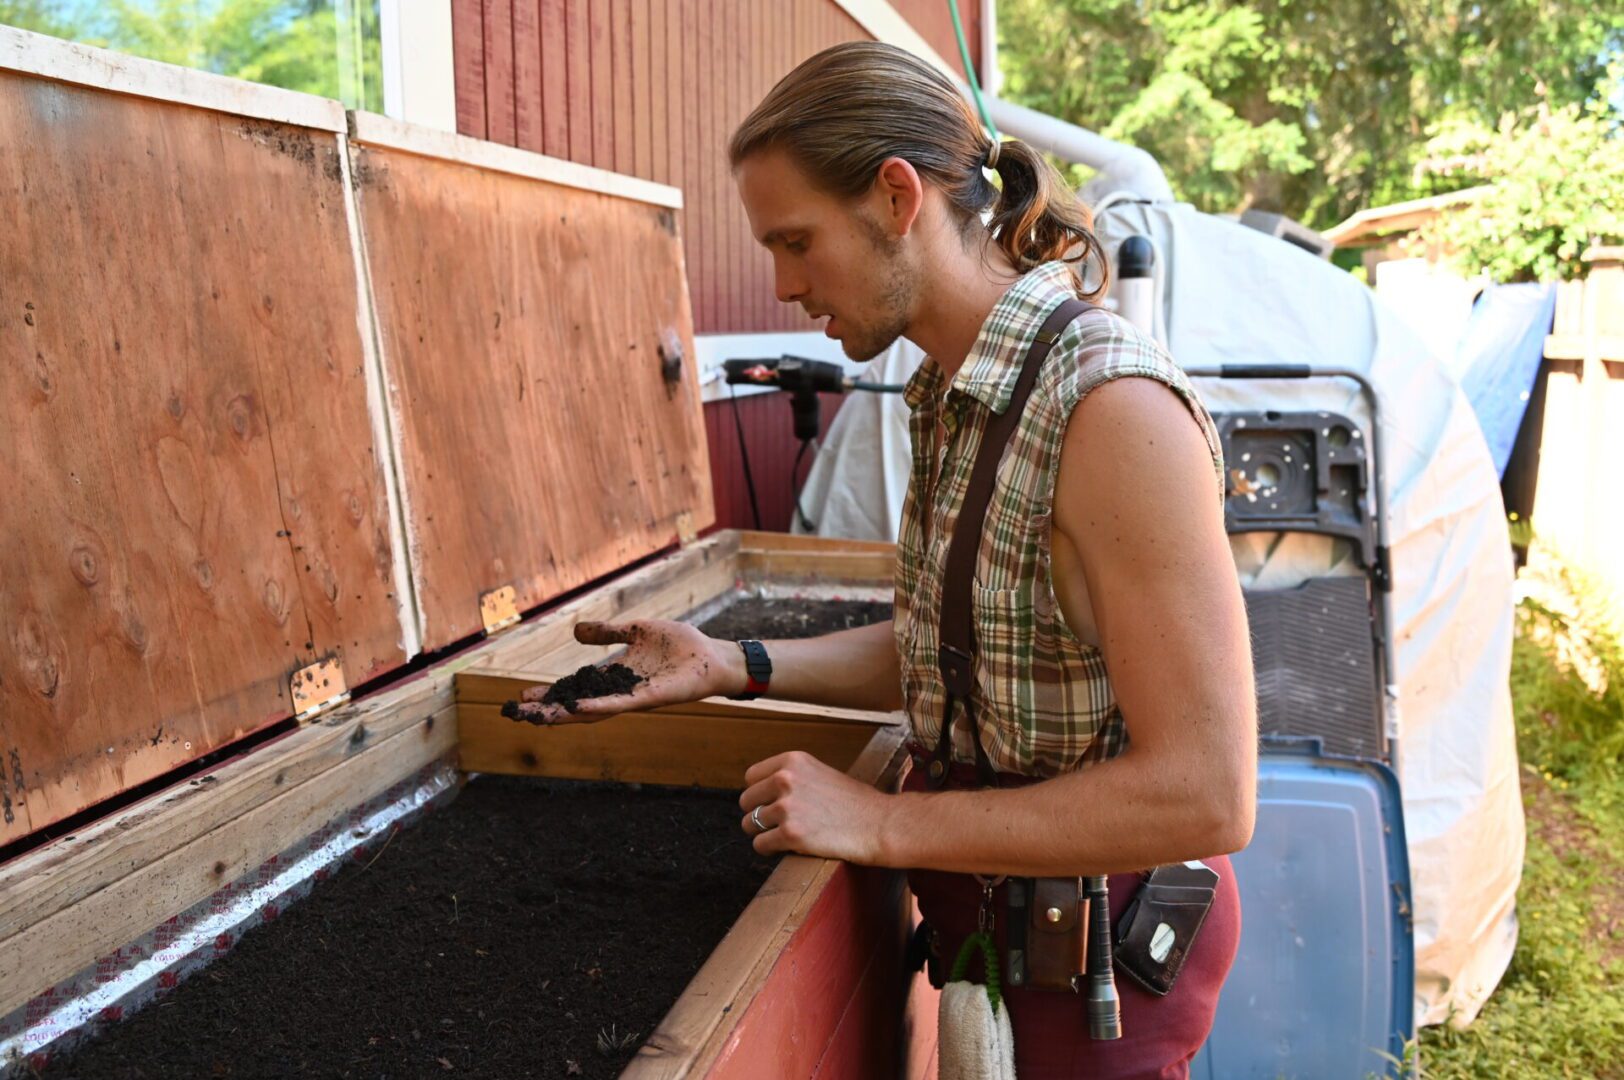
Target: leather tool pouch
[(1155, 933), (1054, 926)]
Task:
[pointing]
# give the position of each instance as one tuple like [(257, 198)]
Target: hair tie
[(992, 155)]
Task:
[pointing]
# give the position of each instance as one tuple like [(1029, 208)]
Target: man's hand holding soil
[(673, 661)]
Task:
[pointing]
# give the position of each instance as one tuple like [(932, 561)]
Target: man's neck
[(961, 294)]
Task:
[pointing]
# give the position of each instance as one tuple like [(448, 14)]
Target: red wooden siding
[(829, 1006), (654, 88), (935, 24), (770, 442)]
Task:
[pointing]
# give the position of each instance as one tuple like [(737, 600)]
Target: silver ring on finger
[(755, 819)]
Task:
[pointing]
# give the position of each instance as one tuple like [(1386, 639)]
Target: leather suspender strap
[(955, 642)]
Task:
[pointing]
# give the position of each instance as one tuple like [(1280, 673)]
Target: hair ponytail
[(1037, 219), (843, 112)]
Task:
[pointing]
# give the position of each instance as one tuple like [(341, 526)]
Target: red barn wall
[(653, 88)]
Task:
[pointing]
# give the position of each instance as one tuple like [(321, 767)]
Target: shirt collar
[(994, 362)]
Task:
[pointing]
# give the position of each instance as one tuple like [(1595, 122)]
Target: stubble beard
[(894, 291)]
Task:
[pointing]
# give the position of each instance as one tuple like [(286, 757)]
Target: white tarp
[(1236, 295), (847, 491)]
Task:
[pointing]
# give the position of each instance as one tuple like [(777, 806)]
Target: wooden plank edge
[(857, 567), (676, 599), (488, 687), (641, 748), (122, 843), (103, 69), (710, 1005), (74, 937), (372, 129), (32, 886), (384, 412), (1579, 347), (695, 1031), (761, 540)]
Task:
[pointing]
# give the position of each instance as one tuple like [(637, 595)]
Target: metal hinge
[(686, 533), (498, 609), (318, 688)]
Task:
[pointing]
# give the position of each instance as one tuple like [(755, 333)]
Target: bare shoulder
[(1134, 456)]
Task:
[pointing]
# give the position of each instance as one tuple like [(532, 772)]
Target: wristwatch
[(758, 668)]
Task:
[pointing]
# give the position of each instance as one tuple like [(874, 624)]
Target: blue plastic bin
[(1323, 987)]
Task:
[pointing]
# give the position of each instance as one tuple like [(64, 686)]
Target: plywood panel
[(522, 323), (197, 508)]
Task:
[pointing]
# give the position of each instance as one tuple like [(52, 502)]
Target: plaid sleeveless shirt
[(1042, 696)]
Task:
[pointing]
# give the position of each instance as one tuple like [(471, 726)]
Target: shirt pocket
[(1003, 624)]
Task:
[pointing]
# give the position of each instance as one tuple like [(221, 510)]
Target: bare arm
[(1135, 502), (856, 669)]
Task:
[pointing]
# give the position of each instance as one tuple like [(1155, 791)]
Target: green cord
[(989, 959), (970, 70)]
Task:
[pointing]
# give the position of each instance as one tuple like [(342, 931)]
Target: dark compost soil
[(767, 619), (530, 928), (529, 925), (589, 682)]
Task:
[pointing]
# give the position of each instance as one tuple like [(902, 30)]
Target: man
[(1113, 681)]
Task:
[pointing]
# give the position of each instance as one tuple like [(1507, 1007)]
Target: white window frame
[(419, 72)]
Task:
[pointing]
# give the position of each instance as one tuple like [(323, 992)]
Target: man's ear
[(899, 195)]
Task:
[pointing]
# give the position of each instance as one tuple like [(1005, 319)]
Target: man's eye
[(795, 247)]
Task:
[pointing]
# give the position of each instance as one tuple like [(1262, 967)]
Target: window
[(328, 47)]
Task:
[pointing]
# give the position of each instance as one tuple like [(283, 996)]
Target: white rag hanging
[(974, 1038)]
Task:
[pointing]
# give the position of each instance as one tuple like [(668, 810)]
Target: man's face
[(836, 259)]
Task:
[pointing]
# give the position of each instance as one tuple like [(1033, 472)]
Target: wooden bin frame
[(78, 898)]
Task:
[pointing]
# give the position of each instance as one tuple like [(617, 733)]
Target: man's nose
[(789, 286)]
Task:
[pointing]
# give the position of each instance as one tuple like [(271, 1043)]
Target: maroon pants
[(1159, 1034)]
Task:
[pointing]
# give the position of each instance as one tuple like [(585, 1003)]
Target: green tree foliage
[(1556, 187), (294, 44), (1309, 107)]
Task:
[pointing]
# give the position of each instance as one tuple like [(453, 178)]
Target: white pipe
[(1123, 167), (992, 76)]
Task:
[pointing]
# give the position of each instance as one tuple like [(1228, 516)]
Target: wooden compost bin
[(809, 981), (299, 396)]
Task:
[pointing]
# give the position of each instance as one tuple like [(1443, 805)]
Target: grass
[(1559, 1010)]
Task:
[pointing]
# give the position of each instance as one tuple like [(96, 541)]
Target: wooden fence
[(1579, 501)]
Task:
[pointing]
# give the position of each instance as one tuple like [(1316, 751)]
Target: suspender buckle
[(957, 669)]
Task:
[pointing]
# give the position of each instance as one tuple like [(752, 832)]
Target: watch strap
[(759, 669)]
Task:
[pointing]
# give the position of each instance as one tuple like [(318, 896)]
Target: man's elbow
[(1233, 811), (1231, 823)]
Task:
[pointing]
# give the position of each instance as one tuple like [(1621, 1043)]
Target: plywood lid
[(534, 324)]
